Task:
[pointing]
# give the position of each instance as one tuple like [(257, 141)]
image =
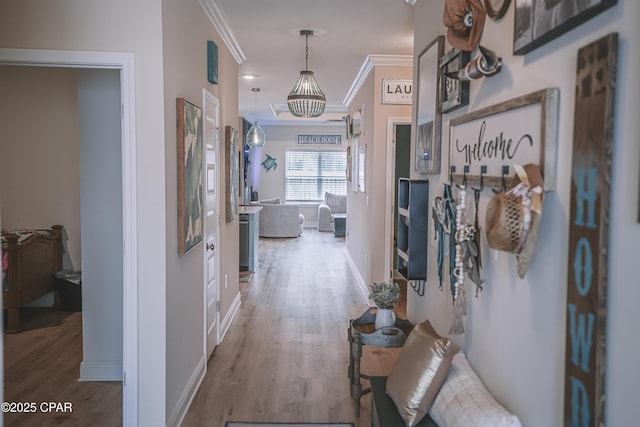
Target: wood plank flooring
[(285, 356), (41, 364)]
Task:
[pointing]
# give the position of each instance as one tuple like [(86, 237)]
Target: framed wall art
[(428, 116), (539, 21), (454, 93), (349, 161), (362, 168), (518, 131), (232, 158), (212, 62), (189, 135), (356, 124), (354, 165), (347, 124)]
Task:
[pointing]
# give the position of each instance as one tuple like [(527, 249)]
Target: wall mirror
[(428, 117)]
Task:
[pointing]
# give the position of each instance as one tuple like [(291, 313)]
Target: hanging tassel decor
[(459, 294)]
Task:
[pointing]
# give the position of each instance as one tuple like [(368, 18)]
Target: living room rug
[(244, 424)]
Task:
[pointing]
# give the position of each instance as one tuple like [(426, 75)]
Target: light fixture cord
[(306, 52)]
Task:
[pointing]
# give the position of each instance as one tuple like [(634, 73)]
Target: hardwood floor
[(41, 364), (285, 356)]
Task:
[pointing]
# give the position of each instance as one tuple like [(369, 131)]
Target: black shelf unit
[(411, 252)]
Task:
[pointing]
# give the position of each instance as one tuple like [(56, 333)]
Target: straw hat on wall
[(513, 217)]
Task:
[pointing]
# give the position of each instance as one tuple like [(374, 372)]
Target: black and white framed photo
[(454, 93), (539, 21)]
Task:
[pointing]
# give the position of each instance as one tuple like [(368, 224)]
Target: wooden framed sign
[(584, 393), (519, 131)]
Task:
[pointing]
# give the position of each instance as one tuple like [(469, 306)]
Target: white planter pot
[(385, 317)]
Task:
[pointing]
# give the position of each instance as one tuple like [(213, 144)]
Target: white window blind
[(309, 174)]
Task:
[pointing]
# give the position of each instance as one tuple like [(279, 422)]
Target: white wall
[(136, 27), (271, 184), (185, 64), (39, 164), (366, 211), (515, 330), (101, 223)]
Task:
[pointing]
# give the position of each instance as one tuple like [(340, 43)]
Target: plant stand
[(362, 331)]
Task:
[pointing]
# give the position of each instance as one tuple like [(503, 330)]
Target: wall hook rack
[(483, 172), (418, 286), (503, 179), (464, 177)]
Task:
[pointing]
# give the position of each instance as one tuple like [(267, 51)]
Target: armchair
[(333, 203)]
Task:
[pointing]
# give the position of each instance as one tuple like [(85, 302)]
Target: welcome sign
[(519, 131)]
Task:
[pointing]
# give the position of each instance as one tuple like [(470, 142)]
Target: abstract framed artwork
[(539, 21), (232, 157), (189, 135), (212, 62)]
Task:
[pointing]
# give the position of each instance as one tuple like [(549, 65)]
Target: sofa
[(278, 219), (333, 203)]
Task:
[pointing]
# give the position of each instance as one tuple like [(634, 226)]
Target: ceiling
[(266, 36)]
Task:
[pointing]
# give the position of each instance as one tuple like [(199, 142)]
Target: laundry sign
[(397, 91)]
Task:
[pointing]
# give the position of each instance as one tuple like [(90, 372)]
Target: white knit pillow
[(464, 401)]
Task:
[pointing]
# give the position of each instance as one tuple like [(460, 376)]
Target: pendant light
[(306, 99), (255, 136)]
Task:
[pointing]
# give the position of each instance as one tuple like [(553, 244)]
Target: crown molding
[(374, 61), (212, 10)]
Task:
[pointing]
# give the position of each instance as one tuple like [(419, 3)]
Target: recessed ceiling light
[(248, 76)]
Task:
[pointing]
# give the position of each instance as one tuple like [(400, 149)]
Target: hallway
[(285, 355)]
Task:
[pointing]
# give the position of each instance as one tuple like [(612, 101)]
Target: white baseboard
[(228, 318), (186, 397), (364, 289), (101, 371)]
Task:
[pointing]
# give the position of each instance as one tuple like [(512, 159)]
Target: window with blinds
[(309, 174)]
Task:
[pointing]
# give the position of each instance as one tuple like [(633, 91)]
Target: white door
[(211, 224)]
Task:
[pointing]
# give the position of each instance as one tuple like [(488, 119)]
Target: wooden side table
[(361, 332)]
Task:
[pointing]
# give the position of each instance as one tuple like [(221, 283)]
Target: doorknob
[(211, 246)]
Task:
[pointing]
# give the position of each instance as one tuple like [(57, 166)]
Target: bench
[(383, 410)]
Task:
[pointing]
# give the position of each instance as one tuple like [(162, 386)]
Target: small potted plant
[(385, 295)]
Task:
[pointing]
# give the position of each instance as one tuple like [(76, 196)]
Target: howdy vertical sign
[(589, 233)]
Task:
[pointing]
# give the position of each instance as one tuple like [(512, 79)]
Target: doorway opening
[(123, 64)]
